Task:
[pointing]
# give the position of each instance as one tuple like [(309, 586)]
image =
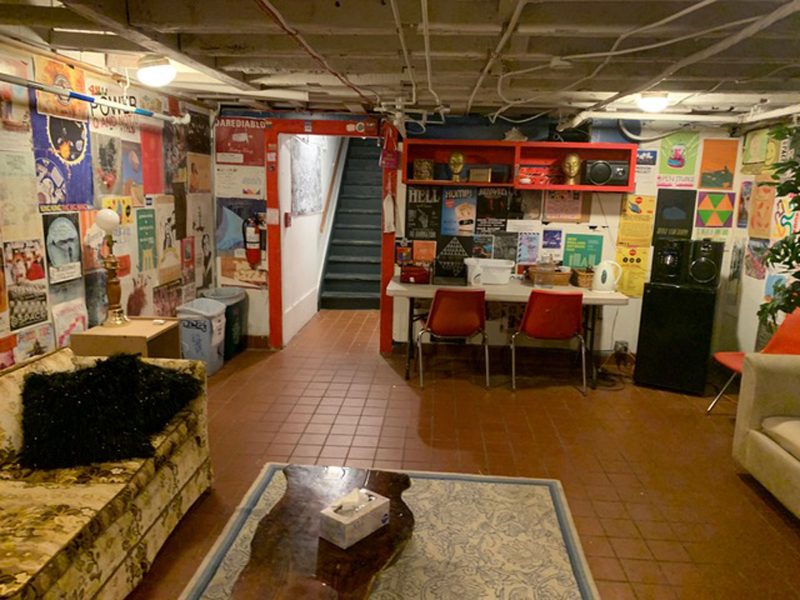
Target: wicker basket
[(582, 278), (547, 277)]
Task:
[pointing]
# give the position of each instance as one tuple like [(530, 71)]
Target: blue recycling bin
[(202, 323)]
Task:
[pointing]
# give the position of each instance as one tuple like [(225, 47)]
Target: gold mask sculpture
[(456, 164), (571, 166)]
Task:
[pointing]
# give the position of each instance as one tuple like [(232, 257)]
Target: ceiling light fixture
[(652, 102), (155, 70)]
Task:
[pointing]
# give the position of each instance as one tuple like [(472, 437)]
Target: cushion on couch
[(785, 431)]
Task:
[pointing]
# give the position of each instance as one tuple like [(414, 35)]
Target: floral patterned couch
[(92, 532)]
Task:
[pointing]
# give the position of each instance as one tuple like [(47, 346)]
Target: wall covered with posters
[(60, 162)]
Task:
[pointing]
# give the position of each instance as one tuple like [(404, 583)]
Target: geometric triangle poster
[(715, 209)]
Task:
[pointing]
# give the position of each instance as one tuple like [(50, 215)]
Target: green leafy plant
[(785, 253)]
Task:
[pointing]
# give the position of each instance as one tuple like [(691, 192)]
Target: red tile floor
[(661, 509)]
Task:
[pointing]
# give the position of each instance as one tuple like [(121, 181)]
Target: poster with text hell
[(63, 164), (58, 74), (581, 250), (635, 262), (762, 201), (714, 209), (785, 220), (718, 163), (674, 213), (240, 141), (677, 160)]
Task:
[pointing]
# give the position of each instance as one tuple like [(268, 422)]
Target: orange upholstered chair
[(551, 316), (785, 340), (456, 314)]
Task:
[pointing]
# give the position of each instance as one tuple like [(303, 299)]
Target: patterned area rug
[(474, 537)]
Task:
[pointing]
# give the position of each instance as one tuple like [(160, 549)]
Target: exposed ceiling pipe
[(267, 7), (426, 36), (399, 26), (762, 23), (507, 33), (786, 111)]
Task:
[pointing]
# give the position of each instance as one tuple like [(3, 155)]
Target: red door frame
[(319, 125)]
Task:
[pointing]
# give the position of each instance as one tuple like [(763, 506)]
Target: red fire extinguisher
[(251, 231)]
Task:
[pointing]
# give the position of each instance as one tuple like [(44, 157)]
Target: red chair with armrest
[(456, 314)]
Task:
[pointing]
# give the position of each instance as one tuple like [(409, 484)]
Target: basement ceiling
[(499, 58)]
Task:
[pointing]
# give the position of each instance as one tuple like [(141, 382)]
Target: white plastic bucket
[(488, 271)]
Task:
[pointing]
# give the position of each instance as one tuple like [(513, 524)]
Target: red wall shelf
[(511, 155)]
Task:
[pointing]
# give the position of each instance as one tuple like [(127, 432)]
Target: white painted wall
[(303, 246)]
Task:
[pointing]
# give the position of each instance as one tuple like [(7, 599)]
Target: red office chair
[(456, 314), (551, 316), (785, 340)]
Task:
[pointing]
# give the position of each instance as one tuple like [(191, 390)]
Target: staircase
[(352, 276)]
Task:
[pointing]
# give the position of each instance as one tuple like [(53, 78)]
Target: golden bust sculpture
[(571, 166), (456, 164)]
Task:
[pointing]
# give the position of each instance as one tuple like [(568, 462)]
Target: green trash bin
[(235, 301)]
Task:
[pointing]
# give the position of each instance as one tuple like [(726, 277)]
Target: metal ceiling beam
[(112, 15)]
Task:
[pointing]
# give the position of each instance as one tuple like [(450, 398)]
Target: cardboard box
[(346, 527)]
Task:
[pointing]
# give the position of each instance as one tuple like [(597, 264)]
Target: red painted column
[(389, 137), (274, 241)]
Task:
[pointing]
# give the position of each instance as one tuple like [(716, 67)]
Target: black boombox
[(606, 172)]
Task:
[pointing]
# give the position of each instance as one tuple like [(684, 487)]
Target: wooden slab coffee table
[(288, 559)]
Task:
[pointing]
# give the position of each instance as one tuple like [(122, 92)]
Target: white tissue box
[(345, 528)]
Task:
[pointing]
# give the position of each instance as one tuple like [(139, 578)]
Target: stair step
[(364, 152), (350, 300), (342, 242), (357, 226), (376, 260), (353, 277), (352, 294), (359, 211)]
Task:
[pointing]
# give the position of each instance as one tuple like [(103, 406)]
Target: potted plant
[(785, 253)]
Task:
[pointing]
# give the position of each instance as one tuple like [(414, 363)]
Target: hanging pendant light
[(155, 70)]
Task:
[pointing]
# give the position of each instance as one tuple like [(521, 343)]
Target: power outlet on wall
[(620, 347)]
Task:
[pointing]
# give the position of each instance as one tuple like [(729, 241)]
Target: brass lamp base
[(116, 318)]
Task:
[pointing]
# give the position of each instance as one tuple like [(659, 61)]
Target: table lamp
[(108, 221)]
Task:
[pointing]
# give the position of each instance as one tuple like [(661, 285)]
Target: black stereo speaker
[(705, 263), (605, 172), (670, 260)]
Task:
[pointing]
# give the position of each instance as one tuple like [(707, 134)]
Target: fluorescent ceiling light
[(652, 102), (155, 71)]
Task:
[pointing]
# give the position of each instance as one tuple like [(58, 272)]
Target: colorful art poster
[(482, 246), (4, 325), (19, 206), (167, 298), (773, 281), (32, 342), (240, 141), (137, 295), (449, 265), (677, 160), (459, 211), (96, 297), (674, 213), (200, 172), (762, 201), (755, 146), (646, 161), (718, 163), (63, 163), (714, 209), (68, 318), (423, 251), (198, 138), (239, 182), (92, 241), (175, 151), (152, 160), (58, 74), (785, 220), (187, 261), (106, 166), (743, 210), (122, 205), (566, 206), (123, 247), (114, 122), (147, 253), (15, 122), (635, 262), (492, 210), (423, 212), (23, 262), (167, 253), (754, 258), (528, 248), (63, 246), (7, 345), (636, 220), (552, 245), (582, 250), (233, 267), (200, 225), (132, 179), (505, 245)]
